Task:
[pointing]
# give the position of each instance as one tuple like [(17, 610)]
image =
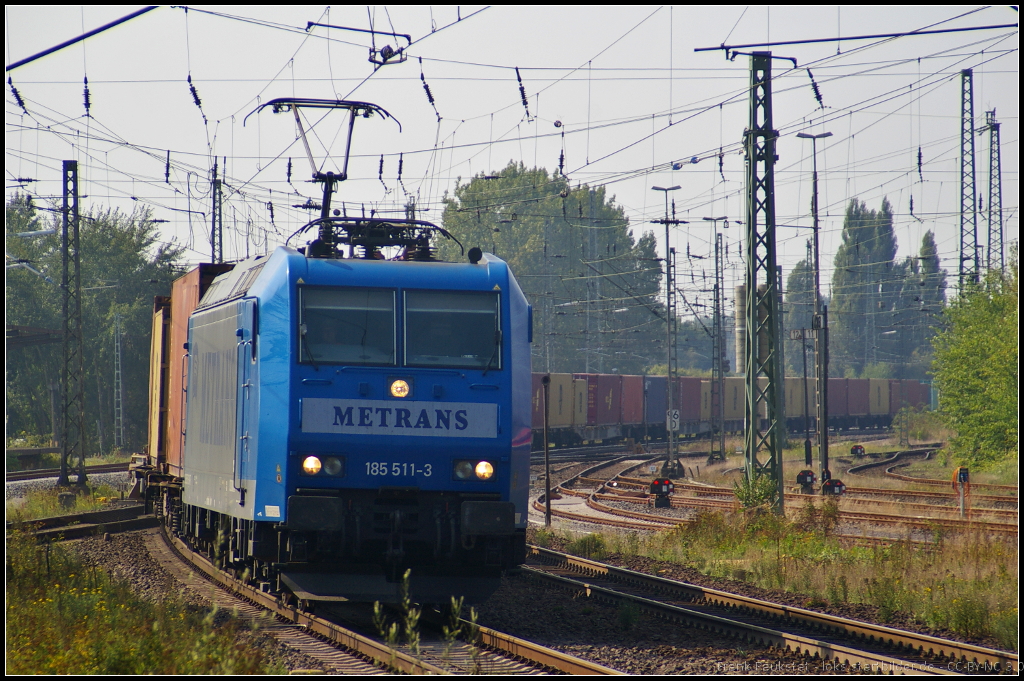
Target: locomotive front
[(383, 425)]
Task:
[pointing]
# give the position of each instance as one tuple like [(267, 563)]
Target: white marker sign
[(389, 417)]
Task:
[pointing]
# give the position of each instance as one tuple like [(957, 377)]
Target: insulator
[(270, 207), (426, 88), (195, 95), (400, 163), (522, 93), (817, 92), (561, 162), (167, 168), (17, 95), (86, 96), (289, 171), (380, 170)]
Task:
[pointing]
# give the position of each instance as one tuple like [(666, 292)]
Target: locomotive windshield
[(350, 326), (452, 329)]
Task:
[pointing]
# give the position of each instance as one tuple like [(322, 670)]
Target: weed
[(410, 616), (759, 492), (589, 546), (887, 594), (829, 515), (629, 615), (472, 631), (543, 537), (80, 621), (453, 627)]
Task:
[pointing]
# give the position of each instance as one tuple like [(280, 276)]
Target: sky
[(620, 90)]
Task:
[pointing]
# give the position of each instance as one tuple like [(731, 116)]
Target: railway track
[(337, 647), (845, 641), (42, 473), (895, 462), (622, 488)]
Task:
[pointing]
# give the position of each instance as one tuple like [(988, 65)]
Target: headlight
[(399, 388), (464, 470), (311, 465), (484, 470), (333, 466), (473, 470)]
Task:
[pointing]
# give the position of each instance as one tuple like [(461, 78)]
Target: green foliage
[(46, 504), (976, 369), (629, 615), (761, 491), (798, 311), (883, 311), (64, 617), (589, 546), (123, 268), (566, 247)]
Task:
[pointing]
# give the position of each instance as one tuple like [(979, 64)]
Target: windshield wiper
[(305, 346), (494, 354)]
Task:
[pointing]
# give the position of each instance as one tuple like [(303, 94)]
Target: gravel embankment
[(126, 557), (631, 641)]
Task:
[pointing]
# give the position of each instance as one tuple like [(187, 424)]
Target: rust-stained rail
[(663, 595)]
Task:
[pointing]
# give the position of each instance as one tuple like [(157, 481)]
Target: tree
[(865, 287), (976, 368), (123, 268), (593, 286), (916, 313), (798, 311)]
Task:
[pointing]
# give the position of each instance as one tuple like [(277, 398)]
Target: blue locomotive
[(347, 418)]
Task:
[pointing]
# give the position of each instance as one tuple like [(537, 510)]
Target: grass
[(47, 504), (966, 584), (64, 617), (50, 460)]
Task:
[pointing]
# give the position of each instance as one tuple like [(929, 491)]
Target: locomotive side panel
[(214, 473)]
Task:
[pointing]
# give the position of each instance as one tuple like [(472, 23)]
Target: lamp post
[(820, 323), (814, 211), (670, 466), (717, 448)]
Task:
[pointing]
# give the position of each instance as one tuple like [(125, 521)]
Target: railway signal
[(661, 489)]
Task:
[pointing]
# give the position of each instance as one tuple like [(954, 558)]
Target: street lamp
[(820, 324), (814, 210), (669, 469)]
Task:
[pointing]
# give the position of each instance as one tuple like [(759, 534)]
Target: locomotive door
[(245, 424)]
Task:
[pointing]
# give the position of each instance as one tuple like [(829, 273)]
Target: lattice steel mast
[(970, 263), (762, 353), (718, 360), (995, 256), (72, 441)]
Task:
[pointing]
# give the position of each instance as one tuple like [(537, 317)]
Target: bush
[(64, 617), (590, 546)]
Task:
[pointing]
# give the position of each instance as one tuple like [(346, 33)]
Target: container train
[(587, 408), (325, 423)]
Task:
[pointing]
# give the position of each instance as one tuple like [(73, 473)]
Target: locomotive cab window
[(347, 326), (453, 329)]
